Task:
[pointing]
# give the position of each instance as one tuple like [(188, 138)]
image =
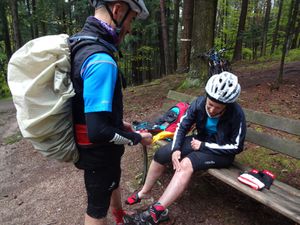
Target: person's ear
[(116, 10)]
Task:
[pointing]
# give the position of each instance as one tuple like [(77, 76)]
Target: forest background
[(171, 39), (260, 36)]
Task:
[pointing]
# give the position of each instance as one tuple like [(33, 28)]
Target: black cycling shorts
[(200, 160), (99, 185)]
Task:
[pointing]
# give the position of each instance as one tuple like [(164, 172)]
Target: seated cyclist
[(221, 129)]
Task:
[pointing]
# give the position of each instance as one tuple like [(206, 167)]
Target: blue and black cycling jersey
[(98, 101)]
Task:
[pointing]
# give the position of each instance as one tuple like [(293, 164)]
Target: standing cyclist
[(221, 129), (98, 106)]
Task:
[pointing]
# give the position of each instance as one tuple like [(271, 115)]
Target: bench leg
[(145, 162)]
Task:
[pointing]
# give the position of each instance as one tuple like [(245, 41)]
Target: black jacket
[(231, 129)]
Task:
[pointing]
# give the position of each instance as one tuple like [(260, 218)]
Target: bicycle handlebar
[(210, 52)]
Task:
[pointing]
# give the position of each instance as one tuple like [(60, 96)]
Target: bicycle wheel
[(210, 71), (216, 70), (226, 66)]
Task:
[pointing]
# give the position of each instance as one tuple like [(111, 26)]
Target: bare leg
[(178, 183), (116, 206), (115, 203), (155, 171), (92, 221), (115, 200)]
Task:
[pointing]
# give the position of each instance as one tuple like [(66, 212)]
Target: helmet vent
[(223, 86)]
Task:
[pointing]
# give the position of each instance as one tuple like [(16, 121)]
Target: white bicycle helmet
[(223, 87), (135, 5)]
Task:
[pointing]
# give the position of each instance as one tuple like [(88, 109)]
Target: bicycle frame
[(215, 61)]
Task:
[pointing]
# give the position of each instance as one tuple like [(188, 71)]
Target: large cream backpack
[(39, 80)]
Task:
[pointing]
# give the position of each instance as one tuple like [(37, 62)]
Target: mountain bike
[(216, 62)]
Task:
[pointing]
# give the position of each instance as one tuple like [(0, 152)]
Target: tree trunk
[(255, 41), (35, 20), (161, 47), (148, 65), (42, 21), (226, 21), (223, 23), (69, 11), (5, 29), (266, 28), (296, 36), (64, 18), (203, 40), (294, 6), (293, 28), (237, 55), (186, 35), (134, 65), (175, 34), (165, 38), (29, 13), (16, 27), (275, 34)]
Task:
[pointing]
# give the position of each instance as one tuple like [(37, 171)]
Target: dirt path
[(34, 191), (6, 105)]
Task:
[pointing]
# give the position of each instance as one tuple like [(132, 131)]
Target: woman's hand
[(195, 144), (146, 138), (176, 156)]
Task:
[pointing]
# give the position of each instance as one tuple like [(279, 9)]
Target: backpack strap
[(74, 40)]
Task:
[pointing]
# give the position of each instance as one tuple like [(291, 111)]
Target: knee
[(186, 166)]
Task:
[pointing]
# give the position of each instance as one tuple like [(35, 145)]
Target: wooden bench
[(281, 197)]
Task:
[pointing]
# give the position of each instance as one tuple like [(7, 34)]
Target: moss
[(13, 138), (261, 158)]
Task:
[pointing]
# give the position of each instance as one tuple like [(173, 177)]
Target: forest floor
[(35, 191)]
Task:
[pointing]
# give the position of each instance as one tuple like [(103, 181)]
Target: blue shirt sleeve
[(99, 73)]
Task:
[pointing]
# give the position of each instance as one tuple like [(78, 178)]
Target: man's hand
[(146, 138), (195, 144), (128, 127), (176, 156)]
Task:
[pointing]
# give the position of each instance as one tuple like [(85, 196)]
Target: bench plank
[(279, 123), (166, 106), (180, 97), (277, 144)]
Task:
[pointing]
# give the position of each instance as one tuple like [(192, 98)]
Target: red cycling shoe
[(133, 199), (118, 215)]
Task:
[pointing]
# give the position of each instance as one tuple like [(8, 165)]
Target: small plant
[(13, 138)]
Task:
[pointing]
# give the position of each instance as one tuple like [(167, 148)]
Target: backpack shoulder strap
[(79, 41), (90, 39)]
